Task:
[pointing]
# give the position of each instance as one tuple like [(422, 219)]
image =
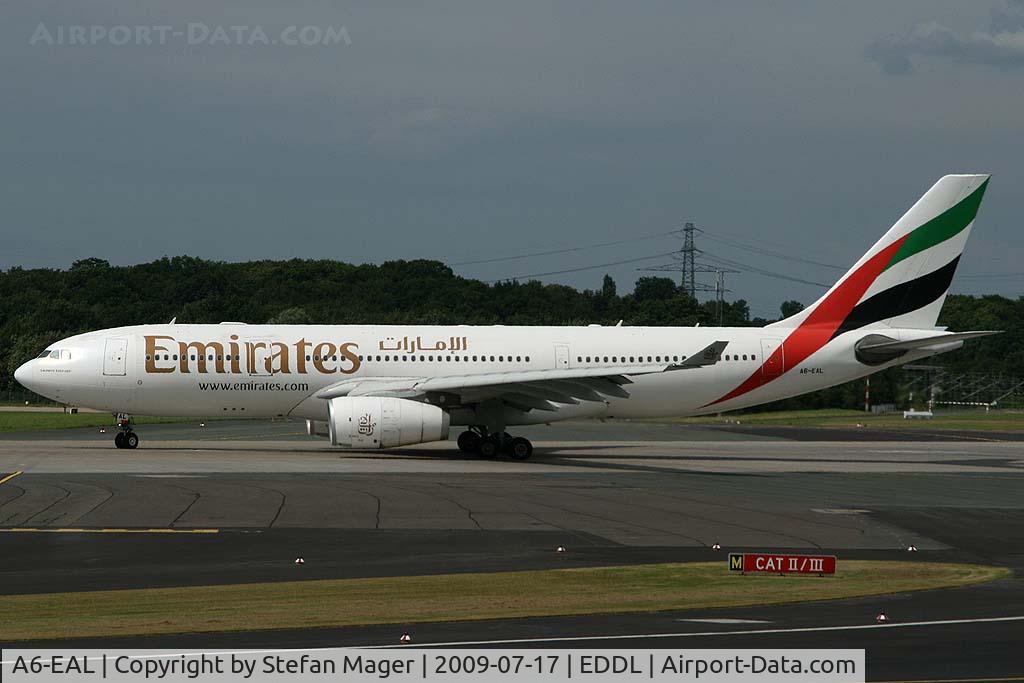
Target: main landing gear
[(488, 446), (125, 437)]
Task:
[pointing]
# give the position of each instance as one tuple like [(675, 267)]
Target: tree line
[(39, 306)]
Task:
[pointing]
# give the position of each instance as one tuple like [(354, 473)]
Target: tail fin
[(902, 281)]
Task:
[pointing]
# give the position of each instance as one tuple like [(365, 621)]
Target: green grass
[(996, 420), (453, 597), (32, 421)]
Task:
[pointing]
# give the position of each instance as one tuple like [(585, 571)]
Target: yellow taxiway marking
[(44, 530), (9, 477)]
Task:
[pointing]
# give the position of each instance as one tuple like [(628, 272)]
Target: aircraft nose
[(23, 375)]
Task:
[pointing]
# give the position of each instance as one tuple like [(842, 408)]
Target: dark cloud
[(1002, 46), (462, 130), (1008, 19)]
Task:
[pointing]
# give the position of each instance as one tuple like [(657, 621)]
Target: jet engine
[(378, 422)]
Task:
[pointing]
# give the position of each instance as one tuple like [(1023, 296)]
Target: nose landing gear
[(125, 437)]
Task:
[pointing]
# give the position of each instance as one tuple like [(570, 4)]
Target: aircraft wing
[(525, 389)]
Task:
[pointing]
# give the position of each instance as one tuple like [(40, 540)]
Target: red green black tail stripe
[(840, 311), (947, 224), (817, 329), (903, 298)]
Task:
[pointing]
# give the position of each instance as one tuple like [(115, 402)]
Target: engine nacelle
[(378, 422)]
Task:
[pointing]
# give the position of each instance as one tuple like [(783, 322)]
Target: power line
[(564, 251), (716, 237), (762, 271), (709, 256), (986, 276), (581, 268), (768, 252), (685, 267), (748, 241)]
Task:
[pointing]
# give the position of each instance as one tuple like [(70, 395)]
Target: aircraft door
[(561, 357), (773, 358), (115, 354), (260, 352)]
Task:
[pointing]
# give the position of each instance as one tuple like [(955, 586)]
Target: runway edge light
[(881, 618), (300, 560)]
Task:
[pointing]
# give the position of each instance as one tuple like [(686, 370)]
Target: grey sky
[(469, 130)]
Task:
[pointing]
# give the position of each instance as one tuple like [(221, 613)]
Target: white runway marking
[(840, 511), (169, 476), (726, 621), (909, 624), (696, 634)]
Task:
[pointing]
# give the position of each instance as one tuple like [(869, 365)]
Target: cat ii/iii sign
[(771, 563)]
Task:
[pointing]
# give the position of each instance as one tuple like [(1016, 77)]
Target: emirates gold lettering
[(205, 353), (262, 358), (347, 353), (234, 355), (152, 356), (301, 351), (278, 361), (258, 359), (322, 354)]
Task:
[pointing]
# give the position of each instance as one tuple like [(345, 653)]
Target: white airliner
[(381, 386)]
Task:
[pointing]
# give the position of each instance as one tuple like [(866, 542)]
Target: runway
[(238, 501)]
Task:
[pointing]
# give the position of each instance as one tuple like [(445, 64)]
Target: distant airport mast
[(686, 264)]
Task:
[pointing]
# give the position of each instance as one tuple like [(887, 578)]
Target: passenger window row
[(388, 358), (168, 356), (629, 359), (445, 359), (458, 359)]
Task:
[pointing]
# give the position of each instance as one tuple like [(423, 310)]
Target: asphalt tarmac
[(236, 502)]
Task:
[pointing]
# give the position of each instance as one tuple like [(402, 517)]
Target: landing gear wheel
[(520, 448), (490, 445), (119, 440), (469, 442), (131, 440)]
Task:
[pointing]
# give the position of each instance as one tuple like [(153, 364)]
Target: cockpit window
[(44, 354)]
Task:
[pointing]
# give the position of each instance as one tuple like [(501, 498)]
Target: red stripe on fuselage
[(815, 331)]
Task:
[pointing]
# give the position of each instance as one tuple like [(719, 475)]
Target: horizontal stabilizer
[(926, 342), (876, 349)]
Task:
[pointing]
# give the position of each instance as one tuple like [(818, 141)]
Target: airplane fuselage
[(277, 370)]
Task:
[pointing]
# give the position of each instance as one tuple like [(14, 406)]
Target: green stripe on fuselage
[(942, 227)]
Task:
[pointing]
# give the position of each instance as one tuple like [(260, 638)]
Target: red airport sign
[(773, 563)]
